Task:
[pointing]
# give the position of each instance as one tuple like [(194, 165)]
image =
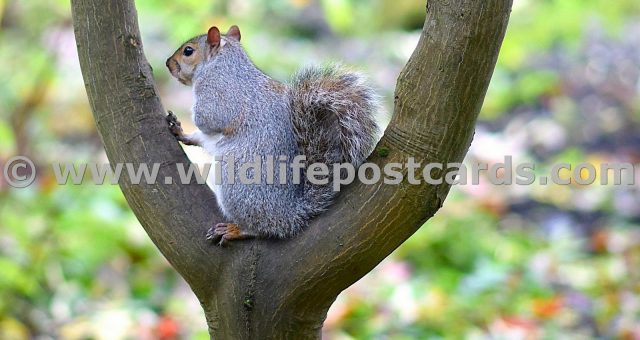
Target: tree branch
[(281, 289), (131, 123), (438, 97)]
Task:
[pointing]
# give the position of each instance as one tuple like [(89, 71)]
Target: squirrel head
[(185, 60)]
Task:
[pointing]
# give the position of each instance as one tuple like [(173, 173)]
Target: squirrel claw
[(222, 233), (215, 234)]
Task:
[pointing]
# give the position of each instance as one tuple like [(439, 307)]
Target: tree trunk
[(282, 289)]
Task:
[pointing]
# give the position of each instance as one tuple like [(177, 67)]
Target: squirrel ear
[(234, 32), (213, 36)]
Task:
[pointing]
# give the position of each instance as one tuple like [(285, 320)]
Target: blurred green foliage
[(496, 262)]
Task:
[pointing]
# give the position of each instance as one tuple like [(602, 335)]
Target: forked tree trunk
[(282, 289)]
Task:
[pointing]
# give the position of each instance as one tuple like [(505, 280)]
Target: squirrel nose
[(168, 62)]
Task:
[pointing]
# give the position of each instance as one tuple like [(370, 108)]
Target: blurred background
[(509, 262)]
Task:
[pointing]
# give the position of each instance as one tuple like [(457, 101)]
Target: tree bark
[(262, 289)]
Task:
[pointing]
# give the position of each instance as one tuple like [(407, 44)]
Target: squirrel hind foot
[(223, 233)]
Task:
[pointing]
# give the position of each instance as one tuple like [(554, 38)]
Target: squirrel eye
[(188, 51)]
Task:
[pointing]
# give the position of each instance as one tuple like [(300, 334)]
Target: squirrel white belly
[(325, 114)]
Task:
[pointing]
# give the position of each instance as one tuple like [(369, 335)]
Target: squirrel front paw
[(222, 233), (176, 129), (174, 125)]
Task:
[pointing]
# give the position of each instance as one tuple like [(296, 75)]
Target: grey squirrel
[(325, 114)]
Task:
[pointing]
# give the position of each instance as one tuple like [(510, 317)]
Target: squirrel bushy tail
[(333, 121)]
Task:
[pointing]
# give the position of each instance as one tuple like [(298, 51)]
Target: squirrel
[(325, 114)]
